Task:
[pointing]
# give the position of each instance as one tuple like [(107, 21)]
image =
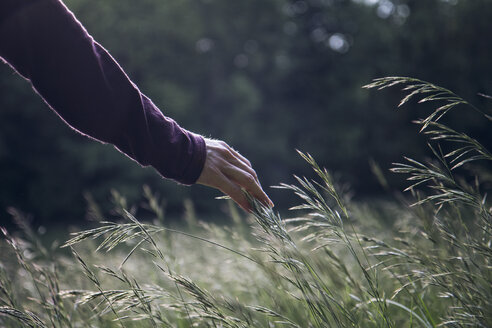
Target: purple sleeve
[(86, 87)]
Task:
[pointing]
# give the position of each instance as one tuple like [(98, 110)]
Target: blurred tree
[(268, 76)]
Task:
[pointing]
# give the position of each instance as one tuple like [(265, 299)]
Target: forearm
[(78, 78)]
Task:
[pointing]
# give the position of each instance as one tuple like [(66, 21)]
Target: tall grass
[(333, 264)]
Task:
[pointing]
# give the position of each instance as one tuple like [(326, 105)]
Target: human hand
[(227, 170)]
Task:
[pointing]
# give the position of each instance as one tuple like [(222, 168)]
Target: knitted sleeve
[(43, 41)]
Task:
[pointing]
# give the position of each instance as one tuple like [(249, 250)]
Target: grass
[(333, 264)]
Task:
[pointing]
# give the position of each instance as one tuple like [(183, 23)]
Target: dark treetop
[(79, 79)]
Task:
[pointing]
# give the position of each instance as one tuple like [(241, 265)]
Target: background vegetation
[(336, 264), (267, 76)]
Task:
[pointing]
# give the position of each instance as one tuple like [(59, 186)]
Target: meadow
[(420, 260)]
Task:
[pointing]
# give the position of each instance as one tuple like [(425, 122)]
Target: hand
[(227, 170)]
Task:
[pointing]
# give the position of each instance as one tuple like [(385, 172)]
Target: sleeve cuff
[(199, 154)]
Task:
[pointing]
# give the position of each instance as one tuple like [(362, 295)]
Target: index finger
[(250, 184)]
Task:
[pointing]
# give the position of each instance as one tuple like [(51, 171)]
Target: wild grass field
[(422, 260)]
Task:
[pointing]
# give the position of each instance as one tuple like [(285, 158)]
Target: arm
[(86, 87), (78, 78)]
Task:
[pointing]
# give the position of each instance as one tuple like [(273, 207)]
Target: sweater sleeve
[(43, 41)]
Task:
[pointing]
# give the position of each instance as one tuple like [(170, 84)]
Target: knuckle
[(249, 179), (228, 154)]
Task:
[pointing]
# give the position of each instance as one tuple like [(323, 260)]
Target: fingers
[(239, 160), (247, 169), (234, 191), (248, 182), (230, 172), (241, 157)]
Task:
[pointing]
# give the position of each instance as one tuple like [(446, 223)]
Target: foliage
[(331, 265), (267, 76)]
